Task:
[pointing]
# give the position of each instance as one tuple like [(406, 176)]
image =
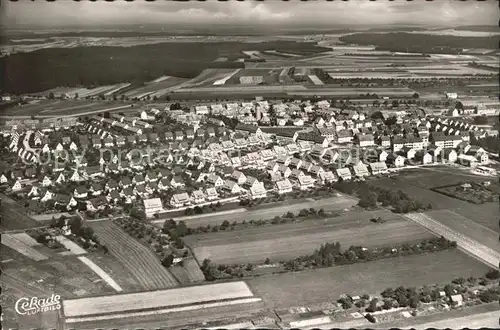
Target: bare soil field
[(287, 241), (328, 204), (327, 284), (137, 258)]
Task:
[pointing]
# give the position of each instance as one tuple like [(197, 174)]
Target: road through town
[(470, 246)]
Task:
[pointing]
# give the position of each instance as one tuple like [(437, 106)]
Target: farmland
[(286, 241), (328, 204), (154, 88), (475, 231), (327, 284), (417, 184), (179, 319), (14, 215), (155, 299), (21, 247), (64, 275), (137, 258)]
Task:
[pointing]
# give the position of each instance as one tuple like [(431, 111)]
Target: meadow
[(284, 242), (327, 284)]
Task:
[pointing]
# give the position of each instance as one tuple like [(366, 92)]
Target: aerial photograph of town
[(250, 165)]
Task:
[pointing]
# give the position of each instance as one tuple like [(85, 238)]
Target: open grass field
[(475, 231), (137, 258), (418, 183), (287, 241), (71, 246), (328, 204), (22, 248), (155, 299), (327, 284)]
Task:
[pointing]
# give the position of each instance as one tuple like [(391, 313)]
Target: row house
[(409, 141)]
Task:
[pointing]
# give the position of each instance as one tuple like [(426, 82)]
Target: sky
[(64, 13)]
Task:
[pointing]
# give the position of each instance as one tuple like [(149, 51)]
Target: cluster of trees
[(78, 229), (214, 272), (370, 196)]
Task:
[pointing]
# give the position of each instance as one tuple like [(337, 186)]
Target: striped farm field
[(286, 241), (21, 247), (26, 239), (137, 258), (156, 299)]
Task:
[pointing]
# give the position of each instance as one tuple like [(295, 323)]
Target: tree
[(77, 96), (168, 261), (415, 95), (268, 261), (51, 96), (493, 274), (75, 225)]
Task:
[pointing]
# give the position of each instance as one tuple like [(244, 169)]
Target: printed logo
[(26, 306)]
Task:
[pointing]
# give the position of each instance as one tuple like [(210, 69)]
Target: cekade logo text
[(26, 306)]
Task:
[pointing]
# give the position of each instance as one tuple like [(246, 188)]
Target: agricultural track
[(478, 250), (137, 258)]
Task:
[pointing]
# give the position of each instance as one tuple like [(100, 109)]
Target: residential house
[(231, 187), (366, 140), (80, 192), (344, 136), (96, 189), (75, 177), (239, 177), (152, 206), (257, 191), (34, 193), (395, 160), (467, 160), (344, 173), (385, 141), (450, 156), (284, 186), (326, 177), (3, 179), (360, 169), (47, 196), (198, 196), (378, 168), (211, 194), (98, 203), (177, 182), (305, 182), (46, 182)]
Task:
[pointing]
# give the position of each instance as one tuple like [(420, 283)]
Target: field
[(287, 241), (460, 318), (189, 273), (322, 285), (417, 184), (269, 212), (22, 248), (180, 319), (475, 231), (14, 216), (137, 258), (64, 275), (54, 108), (101, 273), (153, 88), (155, 299), (70, 245)]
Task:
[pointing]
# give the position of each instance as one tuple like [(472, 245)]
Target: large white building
[(152, 206)]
